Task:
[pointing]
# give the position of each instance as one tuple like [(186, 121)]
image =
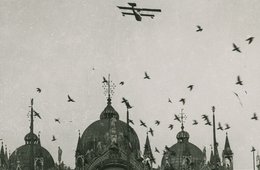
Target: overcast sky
[(55, 45)]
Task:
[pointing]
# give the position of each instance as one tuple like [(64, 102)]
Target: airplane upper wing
[(147, 9)]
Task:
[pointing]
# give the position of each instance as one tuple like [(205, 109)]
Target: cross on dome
[(109, 87)]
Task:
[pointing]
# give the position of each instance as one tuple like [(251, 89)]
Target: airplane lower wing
[(147, 15), (127, 13)]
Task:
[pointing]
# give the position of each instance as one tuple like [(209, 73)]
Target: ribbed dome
[(182, 153), (31, 137), (22, 155)]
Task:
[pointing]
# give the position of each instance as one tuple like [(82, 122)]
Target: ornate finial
[(79, 132), (109, 87), (213, 109), (182, 119), (31, 116)]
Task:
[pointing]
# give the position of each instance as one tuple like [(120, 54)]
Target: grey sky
[(55, 44)]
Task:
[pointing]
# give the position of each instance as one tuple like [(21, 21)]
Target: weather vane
[(109, 87)]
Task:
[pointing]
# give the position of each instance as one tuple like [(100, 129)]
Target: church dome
[(109, 128), (21, 156), (182, 154)]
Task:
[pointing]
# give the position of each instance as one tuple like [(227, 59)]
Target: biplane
[(137, 12)]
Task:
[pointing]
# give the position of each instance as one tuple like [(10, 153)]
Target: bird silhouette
[(104, 80), (124, 100), (199, 28), (151, 131), (250, 40), (169, 100), (208, 123), (238, 98), (253, 149), (254, 117), (38, 90), (156, 150), (182, 100), (37, 114), (220, 127), (157, 122), (227, 126), (239, 81), (131, 121), (70, 99), (171, 126), (195, 122), (146, 76), (53, 138), (236, 48), (57, 120), (177, 118), (142, 123), (122, 83), (205, 117), (190, 87)]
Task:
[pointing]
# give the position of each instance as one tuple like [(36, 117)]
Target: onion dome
[(31, 137), (183, 154)]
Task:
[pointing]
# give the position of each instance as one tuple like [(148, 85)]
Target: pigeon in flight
[(236, 48), (177, 118), (38, 90), (104, 80), (227, 126), (169, 100), (239, 81), (156, 150), (122, 83), (37, 114), (157, 122), (151, 131), (142, 123), (146, 76), (70, 99), (199, 28), (190, 87), (238, 98), (131, 121), (57, 120), (53, 138), (195, 122), (171, 126), (208, 122), (250, 40), (254, 117), (220, 127), (182, 100)]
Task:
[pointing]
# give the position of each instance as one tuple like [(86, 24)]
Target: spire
[(148, 151), (227, 149), (79, 148), (215, 144), (204, 154), (211, 156), (2, 156), (31, 125), (39, 137)]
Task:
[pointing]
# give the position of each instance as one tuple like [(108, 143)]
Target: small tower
[(216, 158), (148, 155), (227, 155), (204, 155), (78, 155)]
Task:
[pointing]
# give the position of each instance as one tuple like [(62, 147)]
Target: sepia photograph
[(129, 84)]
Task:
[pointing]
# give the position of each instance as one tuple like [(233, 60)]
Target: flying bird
[(227, 126), (220, 127), (171, 126), (39, 90), (169, 100), (70, 99), (236, 48), (208, 123), (177, 118), (124, 100), (156, 150), (57, 120), (131, 121), (151, 131), (254, 117), (122, 83), (182, 100), (53, 138), (238, 98), (199, 28), (250, 40), (142, 123), (195, 122), (37, 114), (190, 87), (157, 122), (239, 81), (104, 80), (146, 76), (205, 117)]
